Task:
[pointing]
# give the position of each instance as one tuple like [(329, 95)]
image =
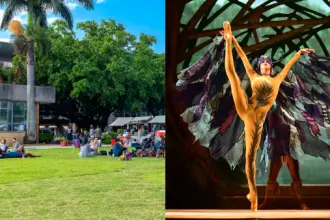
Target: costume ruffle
[(302, 108)]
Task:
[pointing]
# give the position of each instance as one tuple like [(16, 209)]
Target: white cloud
[(51, 20), (23, 13), (20, 19), (100, 1), (4, 40), (1, 14), (21, 16), (72, 5)]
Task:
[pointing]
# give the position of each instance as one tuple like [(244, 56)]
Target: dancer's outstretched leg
[(239, 95)]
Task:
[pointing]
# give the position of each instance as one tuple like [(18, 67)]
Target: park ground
[(60, 185)]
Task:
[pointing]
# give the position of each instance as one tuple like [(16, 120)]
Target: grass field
[(60, 185)]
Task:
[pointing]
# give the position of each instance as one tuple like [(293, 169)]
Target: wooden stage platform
[(285, 205), (247, 214)]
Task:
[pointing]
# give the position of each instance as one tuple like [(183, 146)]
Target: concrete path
[(45, 146), (49, 146)]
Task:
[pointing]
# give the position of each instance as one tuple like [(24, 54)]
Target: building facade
[(13, 100)]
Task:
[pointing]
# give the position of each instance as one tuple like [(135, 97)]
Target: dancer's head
[(265, 65)]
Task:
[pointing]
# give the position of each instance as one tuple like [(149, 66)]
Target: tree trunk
[(31, 108)]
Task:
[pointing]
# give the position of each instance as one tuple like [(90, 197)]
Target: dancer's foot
[(303, 205), (296, 188), (253, 198), (272, 189), (227, 30)]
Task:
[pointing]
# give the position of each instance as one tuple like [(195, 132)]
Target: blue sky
[(145, 16)]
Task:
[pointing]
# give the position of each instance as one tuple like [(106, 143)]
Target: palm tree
[(36, 20)]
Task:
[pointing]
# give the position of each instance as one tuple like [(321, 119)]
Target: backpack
[(152, 154), (103, 152), (126, 156), (134, 153)]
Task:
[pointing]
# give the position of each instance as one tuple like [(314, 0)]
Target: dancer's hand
[(227, 30), (306, 50)]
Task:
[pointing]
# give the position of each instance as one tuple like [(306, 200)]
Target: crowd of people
[(73, 132), (147, 144), (144, 144), (16, 151)]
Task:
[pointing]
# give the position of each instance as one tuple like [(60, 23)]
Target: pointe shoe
[(254, 201), (296, 188), (272, 189), (227, 30)]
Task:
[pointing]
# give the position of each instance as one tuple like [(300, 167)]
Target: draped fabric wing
[(304, 99)]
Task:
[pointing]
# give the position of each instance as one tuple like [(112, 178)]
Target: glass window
[(19, 127), (46, 131), (3, 104), (19, 120), (19, 109), (4, 127), (4, 116), (12, 116)]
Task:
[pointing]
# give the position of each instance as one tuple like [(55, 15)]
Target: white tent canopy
[(158, 120), (142, 119), (121, 122)]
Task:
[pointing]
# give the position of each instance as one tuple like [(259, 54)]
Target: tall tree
[(108, 70), (36, 15)]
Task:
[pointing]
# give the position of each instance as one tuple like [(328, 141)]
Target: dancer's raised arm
[(280, 77), (242, 55)]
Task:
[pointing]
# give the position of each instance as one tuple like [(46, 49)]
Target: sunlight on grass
[(60, 185)]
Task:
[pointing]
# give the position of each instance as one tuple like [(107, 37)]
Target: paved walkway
[(49, 146), (45, 146)]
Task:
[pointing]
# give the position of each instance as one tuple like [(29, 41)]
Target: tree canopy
[(108, 70)]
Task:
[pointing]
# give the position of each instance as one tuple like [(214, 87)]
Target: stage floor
[(247, 214)]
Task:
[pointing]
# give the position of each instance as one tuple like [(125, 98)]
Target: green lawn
[(60, 185)]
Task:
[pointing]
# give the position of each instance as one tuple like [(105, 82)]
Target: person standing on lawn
[(92, 131)]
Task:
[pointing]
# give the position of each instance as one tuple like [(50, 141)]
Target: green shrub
[(113, 135), (107, 139), (119, 131)]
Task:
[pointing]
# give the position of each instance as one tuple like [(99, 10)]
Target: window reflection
[(12, 116)]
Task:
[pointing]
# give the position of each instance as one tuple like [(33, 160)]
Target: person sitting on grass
[(125, 144), (117, 149), (85, 150), (3, 146), (159, 146), (16, 154), (17, 146), (95, 144)]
